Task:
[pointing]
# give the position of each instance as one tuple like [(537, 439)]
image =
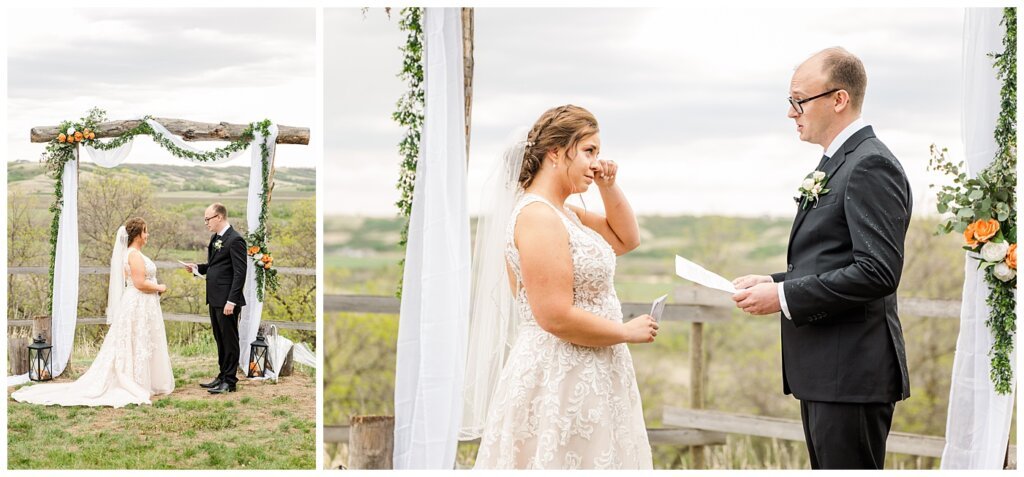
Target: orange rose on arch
[(985, 229), (62, 138), (254, 250), (78, 136), (969, 239), (1011, 256)]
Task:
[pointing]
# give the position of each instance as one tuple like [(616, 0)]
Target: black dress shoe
[(211, 384), (222, 388)]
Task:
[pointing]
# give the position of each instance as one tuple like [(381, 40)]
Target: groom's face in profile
[(214, 221), (809, 80)]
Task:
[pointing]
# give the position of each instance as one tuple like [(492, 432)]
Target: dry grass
[(263, 425)]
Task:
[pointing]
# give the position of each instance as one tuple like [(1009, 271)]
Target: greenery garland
[(410, 115), (71, 134), (984, 210), (258, 251)]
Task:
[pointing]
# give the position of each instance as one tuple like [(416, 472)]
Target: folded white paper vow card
[(658, 307), (697, 274)]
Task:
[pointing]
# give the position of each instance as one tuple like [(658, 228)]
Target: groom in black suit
[(843, 353), (225, 278)]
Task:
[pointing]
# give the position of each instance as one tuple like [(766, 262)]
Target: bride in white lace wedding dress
[(566, 396), (133, 363)]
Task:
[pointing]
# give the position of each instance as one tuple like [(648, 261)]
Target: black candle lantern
[(39, 360), (258, 357)]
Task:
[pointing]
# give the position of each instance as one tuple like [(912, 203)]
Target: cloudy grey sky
[(692, 103), (203, 64)]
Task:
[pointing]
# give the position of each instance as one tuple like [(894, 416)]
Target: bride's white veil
[(492, 316), (117, 283)]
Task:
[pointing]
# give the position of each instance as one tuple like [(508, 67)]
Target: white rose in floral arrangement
[(994, 251), (1003, 272), (818, 175), (71, 131), (807, 184), (257, 256)]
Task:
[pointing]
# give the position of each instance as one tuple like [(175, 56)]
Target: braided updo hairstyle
[(134, 226), (558, 128)]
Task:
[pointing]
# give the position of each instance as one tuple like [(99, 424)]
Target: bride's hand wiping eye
[(606, 172)]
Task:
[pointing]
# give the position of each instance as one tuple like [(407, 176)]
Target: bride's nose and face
[(582, 164)]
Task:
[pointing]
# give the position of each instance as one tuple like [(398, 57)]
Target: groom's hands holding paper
[(757, 294)]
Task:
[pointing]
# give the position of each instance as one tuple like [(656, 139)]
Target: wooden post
[(42, 326), (371, 442), (288, 366), (467, 69), (17, 354), (697, 384)]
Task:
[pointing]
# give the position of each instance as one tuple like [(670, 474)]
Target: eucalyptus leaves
[(983, 209)]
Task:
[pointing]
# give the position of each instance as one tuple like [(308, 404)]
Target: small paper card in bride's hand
[(697, 274), (658, 307)]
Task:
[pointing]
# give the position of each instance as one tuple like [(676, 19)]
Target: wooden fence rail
[(159, 265), (695, 427), (700, 306), (187, 318), (792, 430), (201, 319), (657, 436)]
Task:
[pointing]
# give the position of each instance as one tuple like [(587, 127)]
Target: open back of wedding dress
[(558, 405), (133, 363)]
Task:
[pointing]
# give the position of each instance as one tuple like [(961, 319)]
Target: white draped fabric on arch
[(978, 420), (435, 296), (66, 276)]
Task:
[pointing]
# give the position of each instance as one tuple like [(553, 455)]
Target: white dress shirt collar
[(843, 135), (224, 230)]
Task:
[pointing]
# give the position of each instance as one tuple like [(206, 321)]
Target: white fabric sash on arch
[(434, 315), (978, 419), (66, 276)]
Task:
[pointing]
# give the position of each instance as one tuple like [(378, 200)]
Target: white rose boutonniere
[(218, 244), (812, 188)]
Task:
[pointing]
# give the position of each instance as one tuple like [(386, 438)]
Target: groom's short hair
[(845, 71), (219, 209)]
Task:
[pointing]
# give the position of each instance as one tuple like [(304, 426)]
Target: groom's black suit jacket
[(844, 342), (225, 269)]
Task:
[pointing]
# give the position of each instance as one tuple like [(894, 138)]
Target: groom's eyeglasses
[(208, 219), (798, 105)]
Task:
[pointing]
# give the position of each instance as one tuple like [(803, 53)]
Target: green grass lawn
[(262, 426)]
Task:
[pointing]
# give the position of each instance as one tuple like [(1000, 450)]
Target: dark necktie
[(821, 164)]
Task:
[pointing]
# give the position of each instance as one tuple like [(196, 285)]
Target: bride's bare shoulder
[(538, 218)]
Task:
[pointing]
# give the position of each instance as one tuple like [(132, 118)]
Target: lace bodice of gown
[(150, 268), (593, 266), (558, 405)]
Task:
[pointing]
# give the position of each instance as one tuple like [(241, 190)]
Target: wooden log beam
[(188, 130)]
